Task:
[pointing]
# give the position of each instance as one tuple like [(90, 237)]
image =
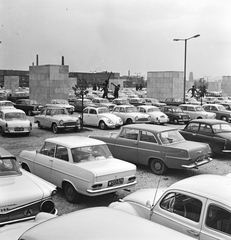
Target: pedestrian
[(116, 90), (193, 91), (105, 90)]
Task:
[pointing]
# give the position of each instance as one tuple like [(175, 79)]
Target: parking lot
[(146, 179)]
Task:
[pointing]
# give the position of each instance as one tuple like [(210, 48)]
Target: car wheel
[(70, 193), (55, 128), (102, 125), (175, 121), (2, 132), (39, 125), (29, 113), (25, 167), (223, 118), (158, 167), (129, 121)]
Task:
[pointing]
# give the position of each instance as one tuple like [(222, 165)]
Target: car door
[(93, 117), (43, 162), (180, 211), (190, 131), (120, 112), (126, 144)]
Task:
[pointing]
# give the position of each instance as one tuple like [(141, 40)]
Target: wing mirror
[(148, 204)]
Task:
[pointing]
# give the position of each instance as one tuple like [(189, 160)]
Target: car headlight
[(61, 122), (120, 120), (180, 116), (77, 121), (149, 118), (109, 121), (136, 118)]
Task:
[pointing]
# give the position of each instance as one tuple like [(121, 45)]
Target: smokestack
[(128, 73), (37, 60), (62, 60)]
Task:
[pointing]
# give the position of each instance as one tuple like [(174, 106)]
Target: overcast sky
[(117, 35)]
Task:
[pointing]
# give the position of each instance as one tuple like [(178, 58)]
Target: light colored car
[(129, 114), (103, 102), (6, 104), (14, 120), (154, 102), (101, 117), (57, 119), (93, 223), (120, 101), (79, 165), (154, 112), (61, 103), (198, 206), (22, 194), (159, 147), (197, 112)]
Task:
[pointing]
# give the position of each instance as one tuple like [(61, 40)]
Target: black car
[(80, 104), (30, 107), (175, 114), (173, 101), (216, 133)]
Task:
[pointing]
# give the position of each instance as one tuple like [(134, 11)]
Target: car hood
[(157, 114), (138, 114), (21, 123), (107, 166), (64, 117), (17, 191), (226, 135)]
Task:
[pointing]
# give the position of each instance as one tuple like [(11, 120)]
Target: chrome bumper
[(197, 164)]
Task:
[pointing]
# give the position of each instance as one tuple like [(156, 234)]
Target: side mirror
[(148, 204)]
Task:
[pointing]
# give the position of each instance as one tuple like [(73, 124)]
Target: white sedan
[(79, 165), (154, 112), (101, 117), (198, 206)]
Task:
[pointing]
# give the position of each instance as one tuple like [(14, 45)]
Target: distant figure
[(141, 86), (116, 90), (137, 87), (94, 86), (193, 91), (105, 89)]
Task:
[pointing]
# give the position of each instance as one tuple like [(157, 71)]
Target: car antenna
[(153, 204)]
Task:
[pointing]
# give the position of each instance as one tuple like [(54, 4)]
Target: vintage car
[(80, 104), (22, 194), (101, 117), (103, 102), (159, 147), (57, 118), (196, 111), (227, 106), (137, 101), (220, 100), (6, 104), (79, 165), (120, 101), (14, 120), (61, 103), (93, 223), (154, 102), (154, 112), (29, 106), (175, 114), (173, 101), (130, 114), (198, 206), (220, 110), (191, 100), (216, 133)]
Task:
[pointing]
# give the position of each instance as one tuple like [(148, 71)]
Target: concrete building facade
[(226, 86)]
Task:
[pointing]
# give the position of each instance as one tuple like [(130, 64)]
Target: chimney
[(62, 60), (37, 60)]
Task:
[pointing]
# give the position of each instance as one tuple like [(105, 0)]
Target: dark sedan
[(216, 133), (175, 114), (173, 101), (29, 106), (80, 104)]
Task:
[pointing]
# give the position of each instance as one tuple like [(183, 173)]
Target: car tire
[(25, 167), (54, 128), (29, 113), (39, 125), (158, 167), (129, 121), (102, 125), (224, 118), (175, 121), (71, 194), (2, 132)]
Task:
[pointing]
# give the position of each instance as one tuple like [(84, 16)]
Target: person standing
[(193, 91), (116, 90), (105, 89)]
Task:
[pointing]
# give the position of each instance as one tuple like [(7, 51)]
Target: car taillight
[(47, 206)]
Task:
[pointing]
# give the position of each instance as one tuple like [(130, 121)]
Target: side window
[(184, 108), (147, 137), (142, 110), (205, 128), (85, 110), (48, 149), (213, 108), (116, 109), (48, 112), (122, 109), (92, 111), (1, 115), (219, 219), (183, 205), (61, 153), (191, 109), (129, 133), (193, 127)]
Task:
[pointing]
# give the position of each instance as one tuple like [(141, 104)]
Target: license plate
[(18, 129), (115, 182)]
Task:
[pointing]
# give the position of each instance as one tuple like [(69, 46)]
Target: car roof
[(54, 107), (209, 121), (170, 106), (190, 105), (147, 106), (211, 186), (95, 107), (127, 105), (212, 104), (75, 141), (149, 127), (101, 223), (7, 110)]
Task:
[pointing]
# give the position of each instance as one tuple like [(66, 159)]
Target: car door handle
[(193, 232)]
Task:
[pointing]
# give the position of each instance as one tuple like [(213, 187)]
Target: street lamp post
[(185, 55)]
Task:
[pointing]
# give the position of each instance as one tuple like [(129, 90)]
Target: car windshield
[(104, 100), (15, 115), (169, 137), (91, 153), (61, 101), (59, 112), (9, 166), (223, 127), (153, 110), (221, 108), (200, 109), (103, 110), (33, 102), (6, 104), (122, 101), (177, 110), (130, 109)]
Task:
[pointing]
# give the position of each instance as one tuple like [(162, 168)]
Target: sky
[(122, 36)]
